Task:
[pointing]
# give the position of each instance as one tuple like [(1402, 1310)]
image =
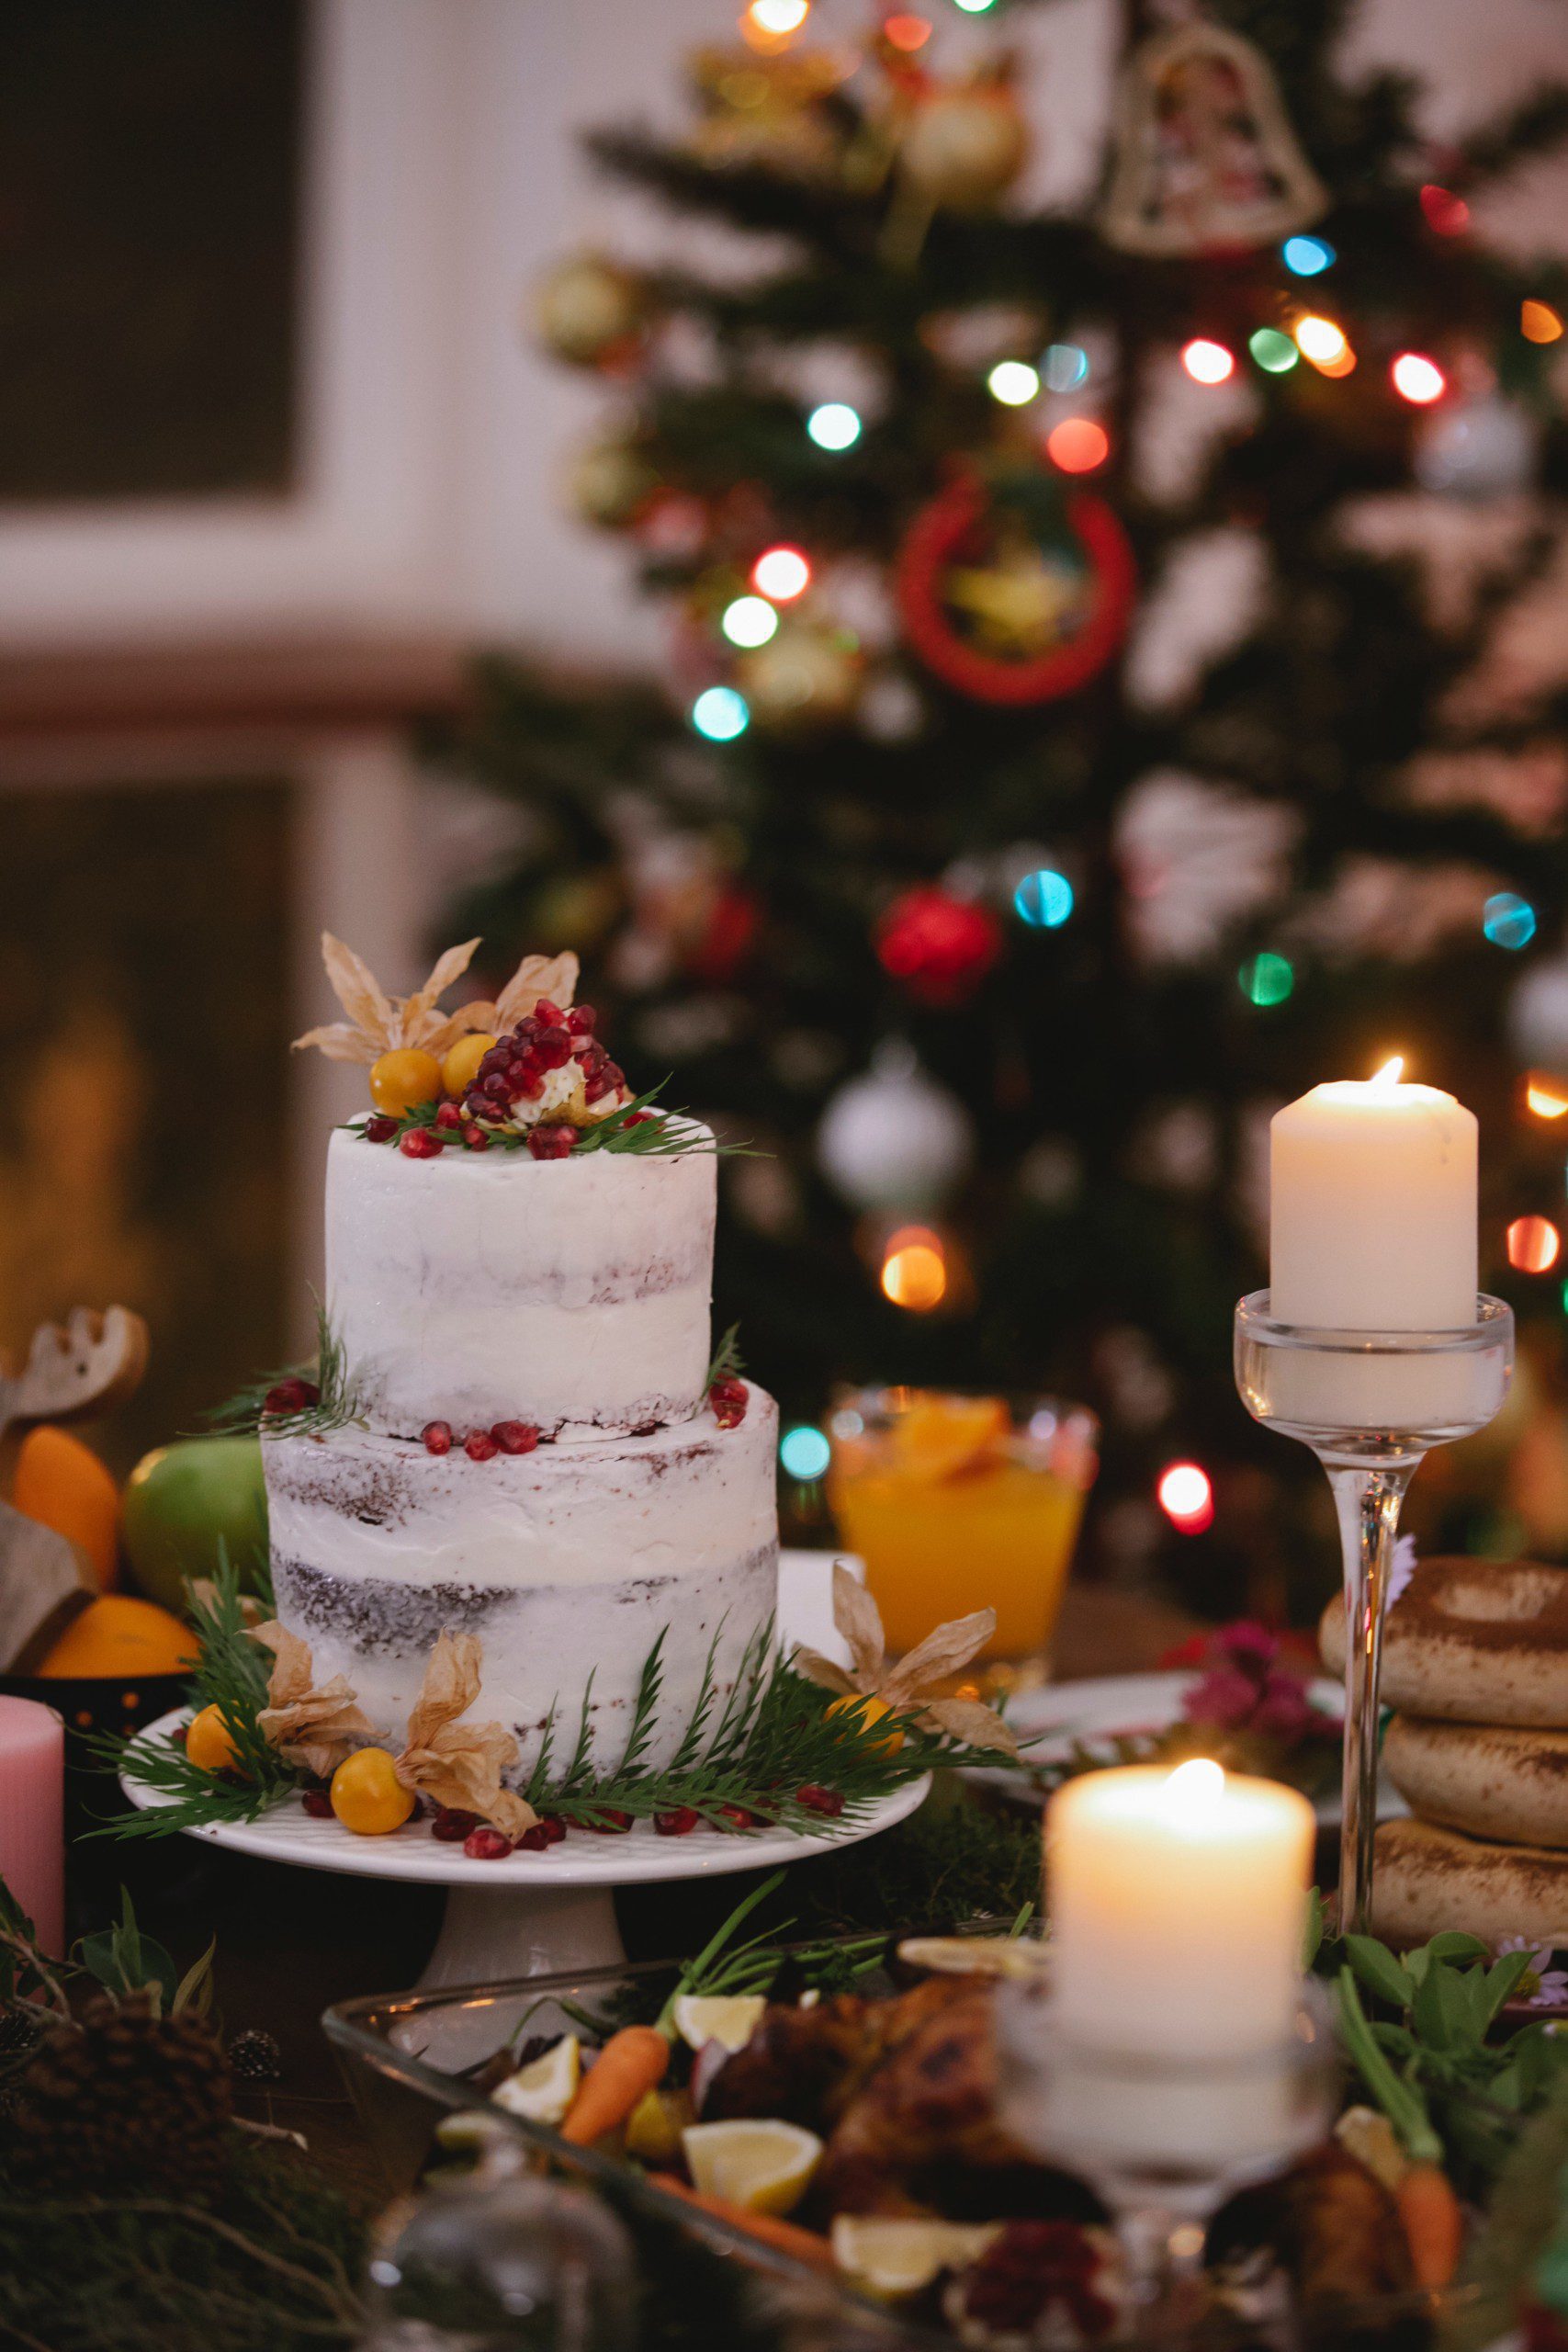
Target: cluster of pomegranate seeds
[(549, 1830), (482, 1446), (679, 1822), (292, 1396), (551, 1142), (817, 1799), (729, 1399), (516, 1068), (452, 1825)]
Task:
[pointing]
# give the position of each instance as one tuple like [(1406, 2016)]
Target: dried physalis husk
[(457, 1764), (551, 977), (204, 1591), (378, 1024), (312, 1726), (902, 1687)]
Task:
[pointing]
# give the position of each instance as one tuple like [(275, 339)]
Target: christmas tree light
[(1044, 900), (750, 621), (720, 714), (1013, 382), (1539, 323), (1274, 352), (1208, 363), (1545, 1097), (1307, 257), (1418, 379), (781, 575), (834, 425), (1445, 213), (804, 1452), (1185, 1497), (914, 1269), (1534, 1245), (1267, 980), (1066, 366), (1078, 445), (1507, 920), (1320, 340)]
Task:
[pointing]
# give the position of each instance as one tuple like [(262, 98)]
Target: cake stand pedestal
[(530, 1915)]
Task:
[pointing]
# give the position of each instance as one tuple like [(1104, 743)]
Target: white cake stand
[(529, 1915)]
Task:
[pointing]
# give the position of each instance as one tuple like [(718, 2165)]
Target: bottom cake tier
[(567, 1563)]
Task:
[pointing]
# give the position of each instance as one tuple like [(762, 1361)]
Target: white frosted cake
[(536, 1457)]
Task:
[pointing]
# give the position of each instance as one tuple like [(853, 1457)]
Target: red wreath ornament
[(951, 527)]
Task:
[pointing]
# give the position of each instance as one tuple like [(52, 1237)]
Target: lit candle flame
[(1196, 1786), (1391, 1072)]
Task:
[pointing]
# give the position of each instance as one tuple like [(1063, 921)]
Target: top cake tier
[(473, 1288)]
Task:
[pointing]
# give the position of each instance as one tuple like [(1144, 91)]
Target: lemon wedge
[(764, 2165), (655, 2125), (729, 2017), (939, 1437), (892, 2257), (543, 2091), (974, 1955)]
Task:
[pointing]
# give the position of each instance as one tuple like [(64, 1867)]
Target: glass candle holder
[(1370, 1405), (1163, 2138), (958, 1503)]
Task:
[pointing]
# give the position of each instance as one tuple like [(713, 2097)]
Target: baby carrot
[(1434, 2224), (787, 2237), (631, 2063)]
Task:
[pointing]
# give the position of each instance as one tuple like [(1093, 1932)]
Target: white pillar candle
[(1178, 1900), (1372, 1216)]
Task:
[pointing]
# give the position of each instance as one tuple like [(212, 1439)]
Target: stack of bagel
[(1475, 1663)]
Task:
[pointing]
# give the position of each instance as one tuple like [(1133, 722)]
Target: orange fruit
[(870, 1710), (61, 1482), (400, 1079), (461, 1067), (210, 1743), (118, 1635), (939, 1437), (367, 1796)]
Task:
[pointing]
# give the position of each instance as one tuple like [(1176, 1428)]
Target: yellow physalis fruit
[(209, 1742), (367, 1796), (403, 1077), (461, 1064), (869, 1710)]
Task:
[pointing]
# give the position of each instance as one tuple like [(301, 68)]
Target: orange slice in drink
[(939, 1437)]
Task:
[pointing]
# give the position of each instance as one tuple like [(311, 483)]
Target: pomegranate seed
[(498, 1086), (580, 1020), (530, 1086), (479, 1446), (534, 1840), (820, 1800), (554, 1049), (638, 1119), (547, 1015), (615, 1073), (516, 1437), (679, 1822), (600, 1083), (729, 1399), (486, 1845), (317, 1804), (611, 1822), (292, 1396), (452, 1825), (551, 1142), (739, 1817), (380, 1129), (436, 1437), (420, 1143), (553, 1826), (476, 1139), (448, 1116)]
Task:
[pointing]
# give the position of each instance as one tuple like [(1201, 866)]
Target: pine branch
[(337, 1406), (729, 1363)]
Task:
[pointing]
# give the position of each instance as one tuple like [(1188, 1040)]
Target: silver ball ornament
[(893, 1138)]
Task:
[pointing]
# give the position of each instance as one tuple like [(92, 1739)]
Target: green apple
[(183, 1501)]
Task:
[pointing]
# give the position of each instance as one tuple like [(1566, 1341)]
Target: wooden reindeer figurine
[(75, 1370)]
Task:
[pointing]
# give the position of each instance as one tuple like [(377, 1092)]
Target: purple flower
[(1249, 1645), (1223, 1696), (1541, 1986)]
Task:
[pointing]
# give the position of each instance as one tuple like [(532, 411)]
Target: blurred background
[(1164, 707)]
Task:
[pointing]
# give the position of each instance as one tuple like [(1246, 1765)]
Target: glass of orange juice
[(961, 1503)]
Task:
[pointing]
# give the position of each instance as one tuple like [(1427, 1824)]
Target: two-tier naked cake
[(519, 1263)]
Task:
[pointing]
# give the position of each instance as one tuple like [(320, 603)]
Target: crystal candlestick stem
[(1370, 1405)]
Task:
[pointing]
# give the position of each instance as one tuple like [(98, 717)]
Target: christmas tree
[(935, 869)]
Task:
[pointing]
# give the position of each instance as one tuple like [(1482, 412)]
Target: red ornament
[(945, 556), (940, 946)]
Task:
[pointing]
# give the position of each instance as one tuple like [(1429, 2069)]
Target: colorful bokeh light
[(1064, 366), (1319, 340), (1507, 920), (907, 31), (1267, 980), (1545, 1097), (1539, 323), (805, 1452), (1078, 445), (914, 1269), (834, 425), (781, 575), (750, 621), (1044, 900), (1013, 382), (720, 714), (778, 19), (1307, 257), (1274, 351), (1534, 1245), (1443, 212), (1418, 379), (1206, 362), (1185, 1497)]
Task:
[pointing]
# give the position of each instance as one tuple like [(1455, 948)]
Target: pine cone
[(254, 2056), (121, 2097)]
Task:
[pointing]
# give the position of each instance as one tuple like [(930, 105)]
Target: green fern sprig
[(641, 1128), (337, 1405), (729, 1363)]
